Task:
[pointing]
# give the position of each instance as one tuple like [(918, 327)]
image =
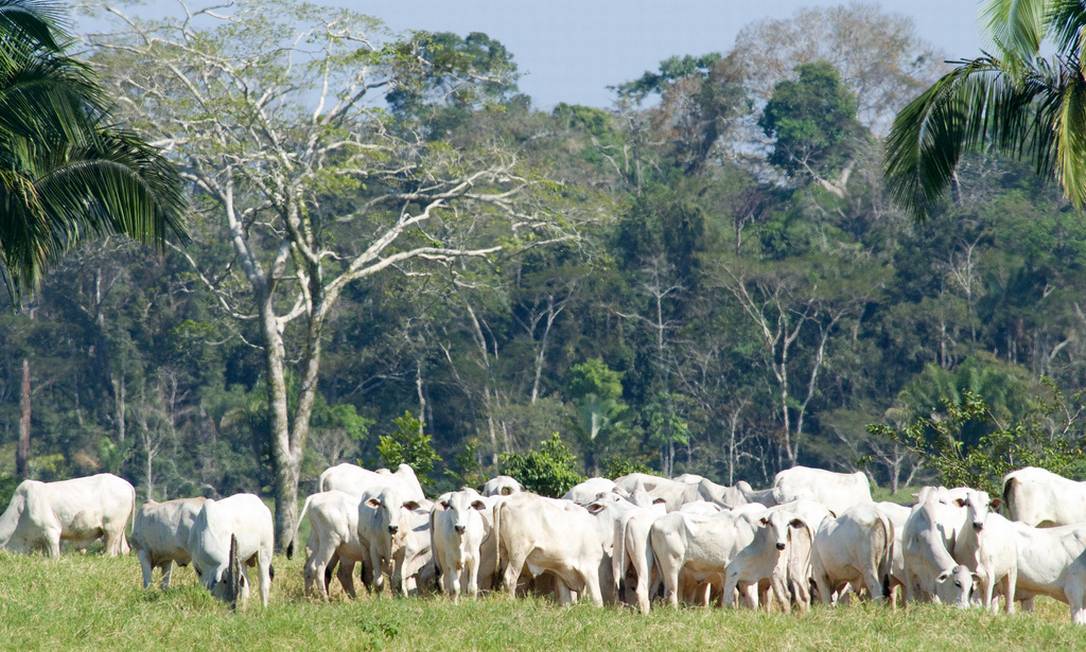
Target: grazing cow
[(931, 573), (160, 535), (386, 516), (898, 515), (333, 541), (770, 561), (1040, 498), (80, 511), (245, 519), (501, 485), (590, 489), (855, 548), (632, 553), (837, 491), (551, 535), (356, 480), (987, 545), (701, 546), (458, 529)]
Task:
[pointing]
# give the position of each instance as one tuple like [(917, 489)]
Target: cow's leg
[(167, 573), (988, 583), (146, 566), (822, 584), (731, 583), (512, 573), (471, 567), (642, 591), (669, 570), (874, 584), (264, 568), (52, 544), (345, 573), (1010, 583), (780, 592)]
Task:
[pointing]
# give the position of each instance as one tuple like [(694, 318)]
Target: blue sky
[(571, 50)]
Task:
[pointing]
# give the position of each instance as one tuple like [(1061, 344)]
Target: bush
[(549, 470), (617, 467), (409, 445)]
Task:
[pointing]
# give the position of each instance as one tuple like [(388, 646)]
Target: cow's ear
[(797, 523), (763, 521), (374, 502), (658, 501), (996, 503), (412, 505), (478, 504), (444, 504), (943, 576), (594, 508), (959, 502)]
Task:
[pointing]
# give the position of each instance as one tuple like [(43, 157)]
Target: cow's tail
[(130, 525), (297, 525), (1009, 484), (883, 552)]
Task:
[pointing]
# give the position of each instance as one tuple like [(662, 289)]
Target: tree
[(548, 470), (268, 112), (596, 392), (812, 121), (408, 444), (1018, 103)]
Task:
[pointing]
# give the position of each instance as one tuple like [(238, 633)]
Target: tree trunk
[(22, 450), (284, 464), (119, 407)]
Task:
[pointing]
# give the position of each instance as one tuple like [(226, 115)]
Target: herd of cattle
[(813, 533)]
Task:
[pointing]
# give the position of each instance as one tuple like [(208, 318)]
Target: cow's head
[(978, 506), (393, 509), (777, 525), (463, 508), (955, 586)]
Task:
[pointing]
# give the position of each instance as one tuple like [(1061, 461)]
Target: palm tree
[(1019, 103), (67, 172)]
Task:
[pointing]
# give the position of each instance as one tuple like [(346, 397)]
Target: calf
[(988, 546), (245, 519), (458, 529), (855, 548), (160, 535), (767, 562), (42, 514)]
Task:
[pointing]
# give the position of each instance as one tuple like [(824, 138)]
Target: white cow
[(386, 516), (931, 573), (632, 553), (778, 555), (676, 494), (333, 541), (762, 496), (458, 529), (551, 535), (248, 519), (502, 485), (898, 515), (590, 489), (837, 491), (987, 544), (80, 511), (160, 535), (1052, 562), (855, 548), (1038, 497), (356, 480), (701, 546)]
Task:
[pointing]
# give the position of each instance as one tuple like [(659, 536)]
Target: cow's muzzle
[(460, 529), (780, 546), (978, 526), (393, 529)]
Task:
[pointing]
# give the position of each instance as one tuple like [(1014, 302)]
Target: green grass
[(90, 602)]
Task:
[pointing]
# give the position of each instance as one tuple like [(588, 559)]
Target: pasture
[(92, 602)]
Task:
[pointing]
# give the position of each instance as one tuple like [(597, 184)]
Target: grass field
[(85, 602)]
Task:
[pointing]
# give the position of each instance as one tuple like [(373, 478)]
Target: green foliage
[(671, 70), (598, 417), (550, 469), (617, 467), (407, 444), (812, 120), (1048, 434)]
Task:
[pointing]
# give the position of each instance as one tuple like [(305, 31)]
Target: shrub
[(549, 470)]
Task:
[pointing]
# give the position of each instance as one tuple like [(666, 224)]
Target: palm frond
[(1017, 26), (1066, 21), (39, 20)]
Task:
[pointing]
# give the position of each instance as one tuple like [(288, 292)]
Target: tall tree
[(270, 114)]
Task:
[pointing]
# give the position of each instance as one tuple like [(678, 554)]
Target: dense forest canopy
[(708, 277)]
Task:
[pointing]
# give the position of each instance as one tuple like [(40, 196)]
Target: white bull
[(160, 535), (837, 491), (459, 526), (333, 541), (80, 511), (1038, 497), (245, 518), (931, 573), (701, 546), (855, 548)]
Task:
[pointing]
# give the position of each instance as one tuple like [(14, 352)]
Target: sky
[(572, 50)]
